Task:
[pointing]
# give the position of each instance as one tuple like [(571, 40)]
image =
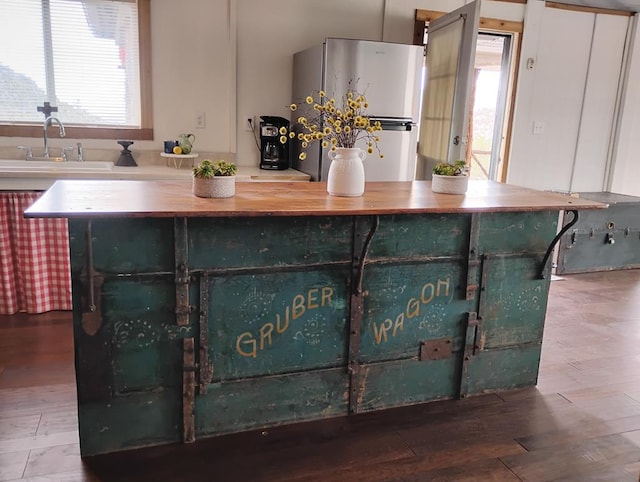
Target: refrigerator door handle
[(394, 123)]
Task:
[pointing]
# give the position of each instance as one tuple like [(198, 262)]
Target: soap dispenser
[(126, 157)]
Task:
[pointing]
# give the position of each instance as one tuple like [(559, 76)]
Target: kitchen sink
[(21, 165)]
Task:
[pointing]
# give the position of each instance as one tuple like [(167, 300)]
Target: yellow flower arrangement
[(335, 126)]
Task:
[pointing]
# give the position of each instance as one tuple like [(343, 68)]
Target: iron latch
[(438, 349)]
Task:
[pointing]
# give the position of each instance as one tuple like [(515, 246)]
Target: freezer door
[(389, 74), (398, 164)]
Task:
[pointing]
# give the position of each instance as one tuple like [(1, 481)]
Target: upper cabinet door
[(446, 98)]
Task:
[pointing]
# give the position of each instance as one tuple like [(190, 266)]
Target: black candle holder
[(126, 157)]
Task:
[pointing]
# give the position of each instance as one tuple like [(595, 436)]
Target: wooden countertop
[(75, 199)]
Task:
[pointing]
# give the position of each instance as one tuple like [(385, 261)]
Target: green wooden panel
[(596, 254), (421, 235), (504, 369), (146, 343), (255, 242), (263, 324), (262, 402), (409, 303), (517, 232), (126, 422), (133, 245), (514, 301), (77, 245), (622, 215), (406, 382)]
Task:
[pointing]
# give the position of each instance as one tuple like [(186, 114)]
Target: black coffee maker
[(273, 153)]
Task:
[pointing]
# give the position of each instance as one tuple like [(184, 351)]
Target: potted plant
[(450, 178), (214, 179)]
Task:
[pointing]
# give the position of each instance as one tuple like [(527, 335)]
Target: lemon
[(177, 150)]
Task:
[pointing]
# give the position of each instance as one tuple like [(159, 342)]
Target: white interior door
[(444, 118)]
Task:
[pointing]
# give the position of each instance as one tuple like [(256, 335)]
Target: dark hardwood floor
[(582, 421)]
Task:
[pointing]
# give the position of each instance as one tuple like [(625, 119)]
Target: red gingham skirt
[(34, 259)]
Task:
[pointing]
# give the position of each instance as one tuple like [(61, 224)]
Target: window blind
[(79, 55)]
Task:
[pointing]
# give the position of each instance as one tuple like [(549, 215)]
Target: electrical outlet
[(249, 125), (201, 120), (538, 128)]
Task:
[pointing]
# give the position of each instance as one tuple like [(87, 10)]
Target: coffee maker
[(273, 153)]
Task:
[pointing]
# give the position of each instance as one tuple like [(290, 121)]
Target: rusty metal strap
[(205, 374), (356, 310), (181, 271), (473, 260), (188, 390), (474, 343)]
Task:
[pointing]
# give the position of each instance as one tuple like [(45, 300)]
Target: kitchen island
[(197, 317)]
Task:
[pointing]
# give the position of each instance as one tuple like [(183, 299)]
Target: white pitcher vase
[(346, 172)]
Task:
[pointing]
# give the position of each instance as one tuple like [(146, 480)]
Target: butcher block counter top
[(73, 199)]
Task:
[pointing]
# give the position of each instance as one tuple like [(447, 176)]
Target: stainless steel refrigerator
[(390, 76)]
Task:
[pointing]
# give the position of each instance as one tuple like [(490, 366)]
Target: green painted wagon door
[(274, 294), (128, 349), (513, 301), (415, 284)]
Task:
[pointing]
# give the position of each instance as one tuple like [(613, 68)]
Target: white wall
[(626, 169), (193, 70), (269, 33), (572, 91)]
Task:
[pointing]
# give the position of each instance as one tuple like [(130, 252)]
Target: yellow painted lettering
[(426, 299), (246, 340), (265, 334), (281, 329), (312, 299), (384, 327), (442, 283), (297, 308), (399, 324), (327, 293), (413, 308)]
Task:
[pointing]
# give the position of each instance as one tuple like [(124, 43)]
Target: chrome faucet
[(47, 122)]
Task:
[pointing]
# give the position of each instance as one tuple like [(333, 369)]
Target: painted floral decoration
[(335, 126)]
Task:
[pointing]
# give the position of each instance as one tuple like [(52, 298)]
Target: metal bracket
[(564, 229), (439, 349), (357, 311)]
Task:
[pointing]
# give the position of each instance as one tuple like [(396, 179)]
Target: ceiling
[(628, 5)]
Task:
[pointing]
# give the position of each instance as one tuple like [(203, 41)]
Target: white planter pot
[(216, 187), (346, 172), (449, 184)]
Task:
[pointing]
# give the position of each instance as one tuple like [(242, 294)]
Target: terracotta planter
[(449, 184), (216, 187)]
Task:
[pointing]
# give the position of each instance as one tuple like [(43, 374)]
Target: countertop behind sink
[(15, 177)]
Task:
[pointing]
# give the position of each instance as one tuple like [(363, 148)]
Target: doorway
[(489, 101), (492, 97)]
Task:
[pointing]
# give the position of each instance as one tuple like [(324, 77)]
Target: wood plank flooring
[(582, 421)]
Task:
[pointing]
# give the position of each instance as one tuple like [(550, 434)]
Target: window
[(88, 58)]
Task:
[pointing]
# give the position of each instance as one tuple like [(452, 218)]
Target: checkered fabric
[(34, 259)]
